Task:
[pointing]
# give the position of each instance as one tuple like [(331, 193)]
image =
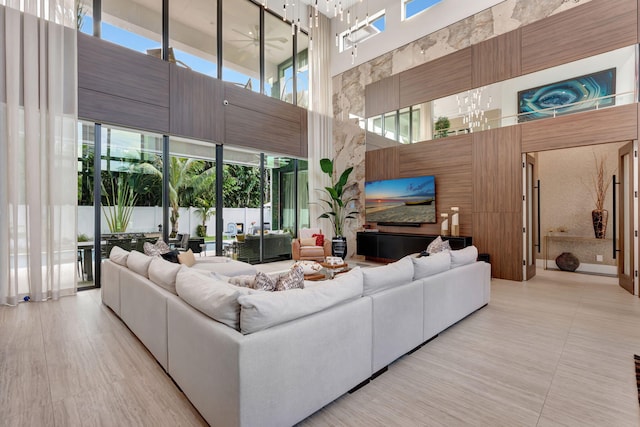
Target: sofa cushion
[(311, 252), (262, 310), (464, 256), (397, 273), (229, 268), (305, 233), (187, 258), (163, 273), (171, 256), (310, 241), (119, 255), (139, 263), (213, 297), (430, 265)]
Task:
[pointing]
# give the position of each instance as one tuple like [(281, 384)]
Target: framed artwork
[(582, 93)]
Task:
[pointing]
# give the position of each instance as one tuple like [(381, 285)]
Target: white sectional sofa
[(255, 358)]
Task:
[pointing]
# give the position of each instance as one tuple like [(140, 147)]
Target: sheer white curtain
[(320, 118), (38, 155)]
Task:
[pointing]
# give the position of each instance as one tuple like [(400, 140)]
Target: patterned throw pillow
[(294, 279), (264, 282), (319, 239), (159, 248), (438, 245)]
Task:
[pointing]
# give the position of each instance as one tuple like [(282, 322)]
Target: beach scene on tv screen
[(403, 200)]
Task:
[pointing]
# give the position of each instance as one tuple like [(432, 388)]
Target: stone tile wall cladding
[(348, 87)]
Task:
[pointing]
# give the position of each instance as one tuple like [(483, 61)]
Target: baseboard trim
[(359, 386)]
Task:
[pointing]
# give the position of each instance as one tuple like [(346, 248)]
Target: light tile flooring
[(556, 351)]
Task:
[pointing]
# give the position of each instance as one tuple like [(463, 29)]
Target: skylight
[(411, 8), (363, 31)]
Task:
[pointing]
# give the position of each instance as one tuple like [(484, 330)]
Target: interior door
[(531, 213), (624, 208)]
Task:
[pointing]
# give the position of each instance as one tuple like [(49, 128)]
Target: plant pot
[(339, 246), (599, 218), (201, 230)]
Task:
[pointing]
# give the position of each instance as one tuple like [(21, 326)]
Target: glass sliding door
[(86, 222), (131, 182), (192, 195)]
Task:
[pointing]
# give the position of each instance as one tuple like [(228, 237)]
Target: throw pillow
[(438, 245), (319, 239), (294, 279), (311, 241), (264, 282), (155, 249), (171, 256), (187, 258)]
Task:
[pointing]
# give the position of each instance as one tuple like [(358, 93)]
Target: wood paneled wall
[(595, 27), (589, 128), (440, 77), (382, 96), (122, 87), (497, 59), (497, 196), (196, 105), (448, 159)]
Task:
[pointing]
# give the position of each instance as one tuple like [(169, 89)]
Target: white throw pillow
[(430, 265), (163, 273), (139, 263), (262, 310), (397, 273), (215, 298), (464, 256), (119, 255)]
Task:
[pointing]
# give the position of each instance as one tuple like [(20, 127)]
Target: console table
[(393, 246)]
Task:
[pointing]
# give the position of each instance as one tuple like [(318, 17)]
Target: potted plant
[(206, 209), (338, 206), (600, 215), (442, 126)]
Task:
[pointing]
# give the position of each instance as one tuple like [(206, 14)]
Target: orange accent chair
[(305, 248)]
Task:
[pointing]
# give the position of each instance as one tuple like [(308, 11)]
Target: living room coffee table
[(333, 269)]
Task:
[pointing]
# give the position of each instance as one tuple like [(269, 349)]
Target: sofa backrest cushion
[(262, 310), (464, 256), (397, 273), (119, 255), (308, 241), (215, 298), (163, 273), (430, 265), (139, 263)]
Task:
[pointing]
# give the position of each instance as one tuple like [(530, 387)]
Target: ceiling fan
[(253, 38)]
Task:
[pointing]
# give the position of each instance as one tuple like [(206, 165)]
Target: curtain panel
[(320, 119), (38, 150)]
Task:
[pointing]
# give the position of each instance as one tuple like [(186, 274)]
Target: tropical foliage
[(119, 206), (338, 200)]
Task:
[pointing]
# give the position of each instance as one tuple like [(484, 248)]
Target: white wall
[(147, 219)]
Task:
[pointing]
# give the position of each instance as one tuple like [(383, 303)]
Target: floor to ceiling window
[(135, 24), (241, 44), (278, 58), (193, 35), (302, 67)]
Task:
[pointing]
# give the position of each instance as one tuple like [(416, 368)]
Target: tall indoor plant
[(338, 206), (601, 183)]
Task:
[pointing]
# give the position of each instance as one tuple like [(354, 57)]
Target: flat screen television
[(401, 201)]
